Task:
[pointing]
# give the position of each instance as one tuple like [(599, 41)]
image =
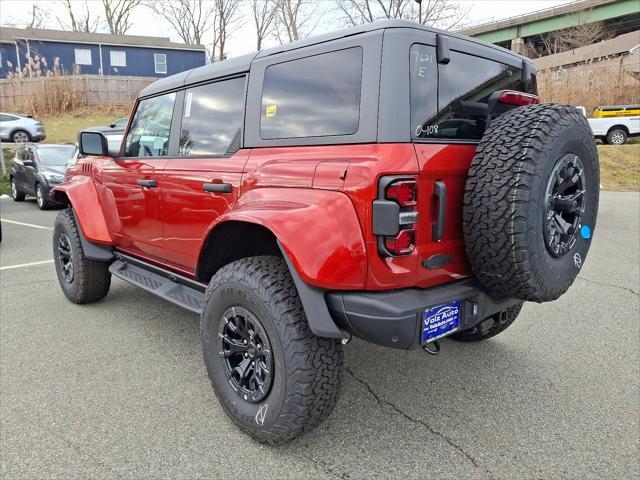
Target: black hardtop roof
[(242, 63)]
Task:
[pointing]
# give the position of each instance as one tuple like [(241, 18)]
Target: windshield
[(57, 156)]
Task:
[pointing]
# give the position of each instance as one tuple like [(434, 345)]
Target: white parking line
[(25, 224), (42, 262)]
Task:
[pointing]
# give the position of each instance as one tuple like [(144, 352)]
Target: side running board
[(179, 290)]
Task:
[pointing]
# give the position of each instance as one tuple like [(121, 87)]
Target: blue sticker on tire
[(440, 321)]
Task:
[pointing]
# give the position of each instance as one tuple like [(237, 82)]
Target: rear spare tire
[(531, 202)]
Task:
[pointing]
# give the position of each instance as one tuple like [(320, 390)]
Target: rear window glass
[(212, 118), (464, 87), (313, 96)]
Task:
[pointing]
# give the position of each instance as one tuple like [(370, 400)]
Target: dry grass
[(65, 128), (589, 85), (620, 167)]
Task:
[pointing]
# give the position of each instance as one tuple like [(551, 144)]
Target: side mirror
[(93, 143), (28, 163)]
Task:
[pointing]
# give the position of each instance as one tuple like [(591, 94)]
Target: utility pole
[(4, 167), (419, 2)]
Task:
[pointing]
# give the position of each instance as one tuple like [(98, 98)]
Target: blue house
[(31, 52)]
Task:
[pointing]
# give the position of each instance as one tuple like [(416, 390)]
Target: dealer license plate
[(440, 321)]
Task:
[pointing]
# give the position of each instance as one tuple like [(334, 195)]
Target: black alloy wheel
[(65, 257), (246, 351), (565, 205)]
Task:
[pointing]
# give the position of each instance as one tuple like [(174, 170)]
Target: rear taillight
[(404, 192), (394, 215), (403, 243), (518, 98)]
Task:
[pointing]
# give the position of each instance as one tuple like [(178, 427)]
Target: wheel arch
[(618, 126), (19, 130), (233, 240), (80, 193)]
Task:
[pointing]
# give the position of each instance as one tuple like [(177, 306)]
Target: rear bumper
[(394, 319)]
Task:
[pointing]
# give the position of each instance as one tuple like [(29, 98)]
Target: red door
[(134, 186), (196, 191)]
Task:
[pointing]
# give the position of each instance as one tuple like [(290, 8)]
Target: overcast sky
[(243, 41)]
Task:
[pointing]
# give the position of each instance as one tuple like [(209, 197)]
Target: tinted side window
[(212, 118), (424, 88), (313, 96), (465, 85), (149, 132)]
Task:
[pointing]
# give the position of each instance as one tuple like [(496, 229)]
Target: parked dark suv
[(391, 181), (35, 169)]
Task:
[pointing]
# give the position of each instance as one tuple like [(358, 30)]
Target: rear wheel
[(20, 136), (490, 326), (16, 194), (617, 136), (82, 280), (272, 375)]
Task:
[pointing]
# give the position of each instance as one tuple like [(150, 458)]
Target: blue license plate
[(440, 321)]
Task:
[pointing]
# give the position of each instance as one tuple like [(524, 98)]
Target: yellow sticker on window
[(271, 110)]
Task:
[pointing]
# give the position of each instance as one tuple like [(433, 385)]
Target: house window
[(118, 58), (160, 60), (83, 56)]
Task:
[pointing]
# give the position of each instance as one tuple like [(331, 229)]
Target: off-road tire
[(41, 198), (91, 279), (16, 194), (490, 326), (307, 368), (617, 136), (506, 201)]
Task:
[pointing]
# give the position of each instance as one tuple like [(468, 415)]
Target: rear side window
[(464, 87), (150, 128), (212, 118), (313, 96)]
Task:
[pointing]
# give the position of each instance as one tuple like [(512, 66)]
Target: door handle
[(440, 193), (148, 183), (217, 187)]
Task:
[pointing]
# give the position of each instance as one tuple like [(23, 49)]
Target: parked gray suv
[(20, 128)]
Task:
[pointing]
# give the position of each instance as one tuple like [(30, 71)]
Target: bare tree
[(226, 18), (583, 33), (263, 17), (293, 17), (83, 22), (191, 19), (117, 14), (39, 17), (441, 13)]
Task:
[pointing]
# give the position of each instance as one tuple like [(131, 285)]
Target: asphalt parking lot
[(118, 389)]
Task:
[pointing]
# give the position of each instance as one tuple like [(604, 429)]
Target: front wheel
[(16, 194), (272, 375), (82, 280), (41, 198)]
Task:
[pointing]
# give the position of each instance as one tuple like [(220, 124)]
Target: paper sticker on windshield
[(271, 110), (187, 104)]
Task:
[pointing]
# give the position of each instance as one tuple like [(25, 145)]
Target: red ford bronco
[(391, 181)]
